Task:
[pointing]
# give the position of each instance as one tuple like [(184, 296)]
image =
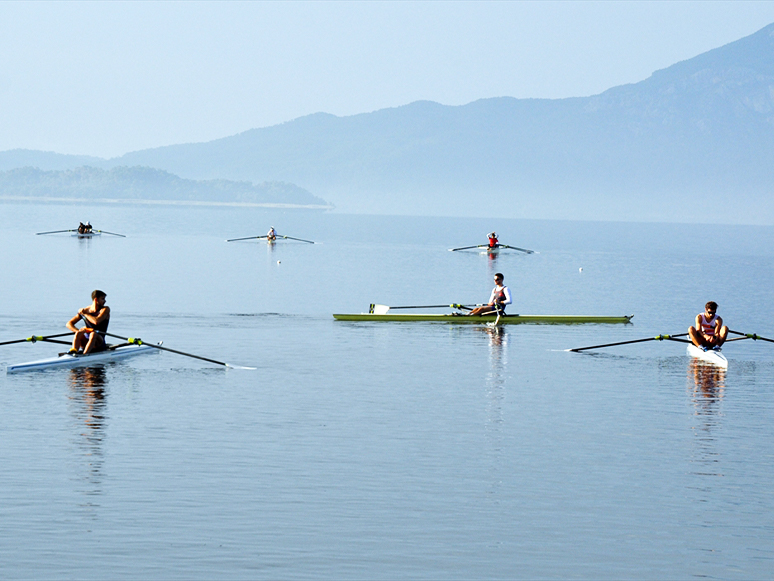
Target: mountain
[(143, 183), (694, 142)]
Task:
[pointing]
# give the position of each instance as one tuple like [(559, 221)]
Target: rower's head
[(498, 278), (711, 308)]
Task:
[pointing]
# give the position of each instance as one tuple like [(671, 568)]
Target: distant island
[(140, 183)]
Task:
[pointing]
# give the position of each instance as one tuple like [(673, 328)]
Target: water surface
[(382, 450)]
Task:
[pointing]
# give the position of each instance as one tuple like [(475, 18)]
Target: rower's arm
[(103, 314), (71, 323)]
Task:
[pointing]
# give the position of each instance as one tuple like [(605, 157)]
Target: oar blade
[(299, 239), (135, 341), (656, 338), (525, 250), (111, 233)]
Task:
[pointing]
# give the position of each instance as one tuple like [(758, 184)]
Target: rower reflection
[(707, 383), (87, 396)]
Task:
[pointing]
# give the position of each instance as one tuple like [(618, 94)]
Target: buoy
[(580, 269), (278, 262)]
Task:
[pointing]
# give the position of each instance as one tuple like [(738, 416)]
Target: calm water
[(383, 451)]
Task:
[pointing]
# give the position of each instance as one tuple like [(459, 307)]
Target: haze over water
[(383, 450)]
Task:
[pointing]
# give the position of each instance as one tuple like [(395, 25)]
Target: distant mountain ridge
[(693, 142), (144, 183)]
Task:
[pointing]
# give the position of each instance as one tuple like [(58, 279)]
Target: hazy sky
[(105, 78)]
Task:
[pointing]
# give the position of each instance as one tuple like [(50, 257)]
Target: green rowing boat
[(457, 318)]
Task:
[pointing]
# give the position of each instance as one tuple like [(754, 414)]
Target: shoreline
[(52, 199)]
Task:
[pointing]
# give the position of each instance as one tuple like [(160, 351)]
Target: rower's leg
[(95, 342), (79, 340), (722, 336), (696, 339)]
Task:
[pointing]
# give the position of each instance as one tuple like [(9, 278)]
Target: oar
[(299, 239), (383, 309), (752, 336), (55, 232), (468, 247), (134, 341), (111, 233), (245, 238), (36, 338), (526, 250), (656, 338)]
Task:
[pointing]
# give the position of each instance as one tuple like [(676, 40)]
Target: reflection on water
[(707, 384), (495, 394), (87, 396)]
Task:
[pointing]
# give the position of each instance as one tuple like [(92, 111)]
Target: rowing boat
[(457, 318), (67, 360), (87, 234), (710, 356)]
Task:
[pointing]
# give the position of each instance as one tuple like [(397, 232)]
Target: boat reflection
[(707, 384), (88, 405)]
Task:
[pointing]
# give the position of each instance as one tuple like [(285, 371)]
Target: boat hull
[(713, 357), (82, 360), (465, 319)]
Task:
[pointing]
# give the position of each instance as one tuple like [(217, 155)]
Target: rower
[(96, 317), (493, 240), (709, 331), (500, 297), (272, 235)]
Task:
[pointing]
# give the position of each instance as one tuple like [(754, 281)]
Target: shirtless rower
[(96, 318), (709, 332), (500, 297)]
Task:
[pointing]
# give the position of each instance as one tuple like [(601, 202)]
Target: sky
[(106, 78)]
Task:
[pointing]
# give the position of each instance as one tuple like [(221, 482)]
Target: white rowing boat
[(67, 360), (710, 356)]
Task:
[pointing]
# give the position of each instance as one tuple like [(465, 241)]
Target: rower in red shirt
[(709, 331)]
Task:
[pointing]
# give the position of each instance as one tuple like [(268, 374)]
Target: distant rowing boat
[(67, 360), (455, 318)]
